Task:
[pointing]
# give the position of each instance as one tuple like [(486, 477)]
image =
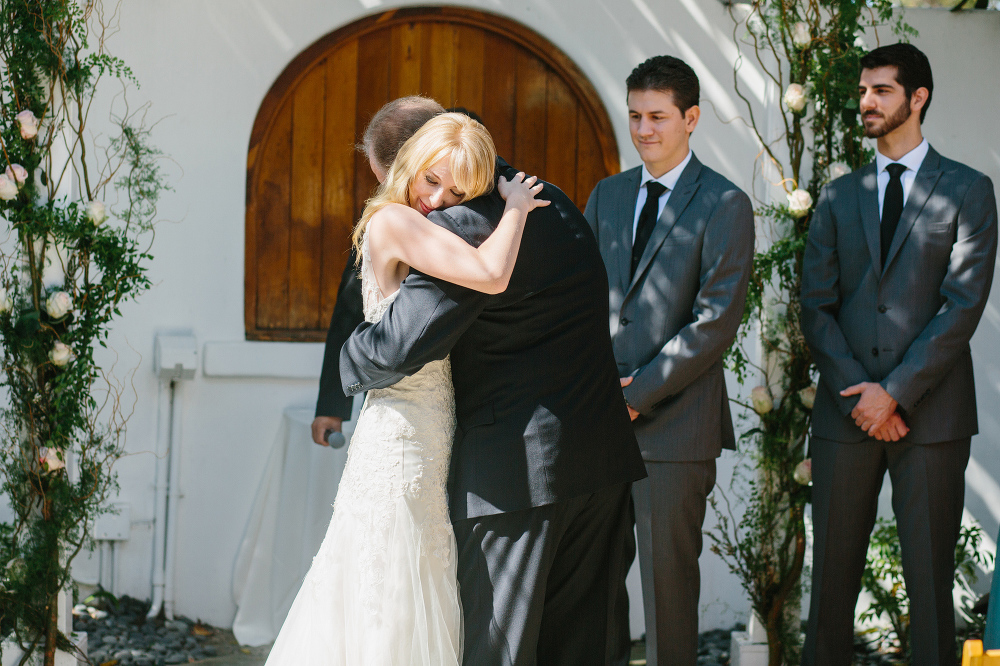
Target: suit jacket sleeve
[(717, 311), (820, 300), (421, 325), (347, 314), (965, 290)]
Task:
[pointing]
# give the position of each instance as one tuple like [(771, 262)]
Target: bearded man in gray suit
[(896, 274), (677, 240)]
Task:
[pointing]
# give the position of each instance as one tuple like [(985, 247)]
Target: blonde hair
[(472, 159)]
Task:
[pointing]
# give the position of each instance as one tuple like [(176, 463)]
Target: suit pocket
[(680, 237), (938, 227)]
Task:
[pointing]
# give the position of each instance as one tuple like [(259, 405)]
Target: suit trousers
[(669, 512), (539, 586), (928, 494)]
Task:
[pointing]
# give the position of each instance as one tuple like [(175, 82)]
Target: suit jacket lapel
[(680, 197), (868, 202), (626, 215), (923, 184)]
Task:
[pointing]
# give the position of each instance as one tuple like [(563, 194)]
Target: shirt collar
[(911, 160), (670, 178)]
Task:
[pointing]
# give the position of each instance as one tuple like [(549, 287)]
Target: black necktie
[(892, 206), (647, 220)]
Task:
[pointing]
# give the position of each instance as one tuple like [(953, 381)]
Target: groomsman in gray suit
[(896, 275), (677, 240)]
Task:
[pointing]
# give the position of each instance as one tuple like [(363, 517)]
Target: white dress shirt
[(668, 180), (911, 160)]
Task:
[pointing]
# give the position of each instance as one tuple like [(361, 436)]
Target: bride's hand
[(521, 191)]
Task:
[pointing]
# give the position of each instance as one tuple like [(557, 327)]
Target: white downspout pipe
[(166, 407), (173, 500), (175, 359)]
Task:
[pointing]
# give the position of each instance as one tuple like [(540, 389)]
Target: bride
[(382, 590)]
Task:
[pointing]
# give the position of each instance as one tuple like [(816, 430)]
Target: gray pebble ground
[(126, 638)]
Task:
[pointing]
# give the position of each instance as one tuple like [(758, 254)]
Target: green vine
[(808, 52), (65, 270), (883, 580)]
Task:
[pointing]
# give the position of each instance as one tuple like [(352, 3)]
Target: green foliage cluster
[(66, 268), (883, 580), (815, 45)]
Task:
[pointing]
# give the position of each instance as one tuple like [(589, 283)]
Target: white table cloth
[(288, 520)]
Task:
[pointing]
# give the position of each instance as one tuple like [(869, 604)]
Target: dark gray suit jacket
[(673, 321), (541, 417), (907, 325)]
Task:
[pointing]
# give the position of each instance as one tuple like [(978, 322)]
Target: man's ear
[(691, 117), (918, 99)]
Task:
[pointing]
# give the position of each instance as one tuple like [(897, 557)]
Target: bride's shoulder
[(389, 220)]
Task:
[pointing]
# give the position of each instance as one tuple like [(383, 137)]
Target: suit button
[(624, 321), (883, 309), (874, 351)]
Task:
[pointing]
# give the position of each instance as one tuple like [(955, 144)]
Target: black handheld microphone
[(334, 438)]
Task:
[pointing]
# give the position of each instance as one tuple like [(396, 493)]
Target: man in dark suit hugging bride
[(510, 344)]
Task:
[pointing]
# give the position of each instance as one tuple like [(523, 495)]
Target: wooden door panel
[(560, 135), (469, 55), (437, 68), (272, 257), (306, 201), (404, 73), (306, 184), (338, 172), (498, 109), (529, 114)]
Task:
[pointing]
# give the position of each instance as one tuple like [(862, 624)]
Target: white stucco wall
[(206, 66)]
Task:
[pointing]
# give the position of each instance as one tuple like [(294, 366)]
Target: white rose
[(96, 212), (8, 188), (808, 396), (799, 203), (49, 456), (61, 354), (795, 97), (6, 302), (859, 43), (803, 473), (58, 304), (800, 34), (16, 173), (838, 170), (29, 124), (762, 401)]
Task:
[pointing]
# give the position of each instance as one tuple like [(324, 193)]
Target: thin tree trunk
[(776, 615), (52, 628)]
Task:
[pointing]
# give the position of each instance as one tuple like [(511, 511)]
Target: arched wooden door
[(306, 184)]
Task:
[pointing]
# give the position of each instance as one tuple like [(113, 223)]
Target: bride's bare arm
[(402, 236)]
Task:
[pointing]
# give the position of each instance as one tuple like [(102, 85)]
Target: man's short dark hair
[(393, 124), (913, 70), (667, 74)]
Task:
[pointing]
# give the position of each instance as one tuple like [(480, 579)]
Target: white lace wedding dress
[(382, 591)]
